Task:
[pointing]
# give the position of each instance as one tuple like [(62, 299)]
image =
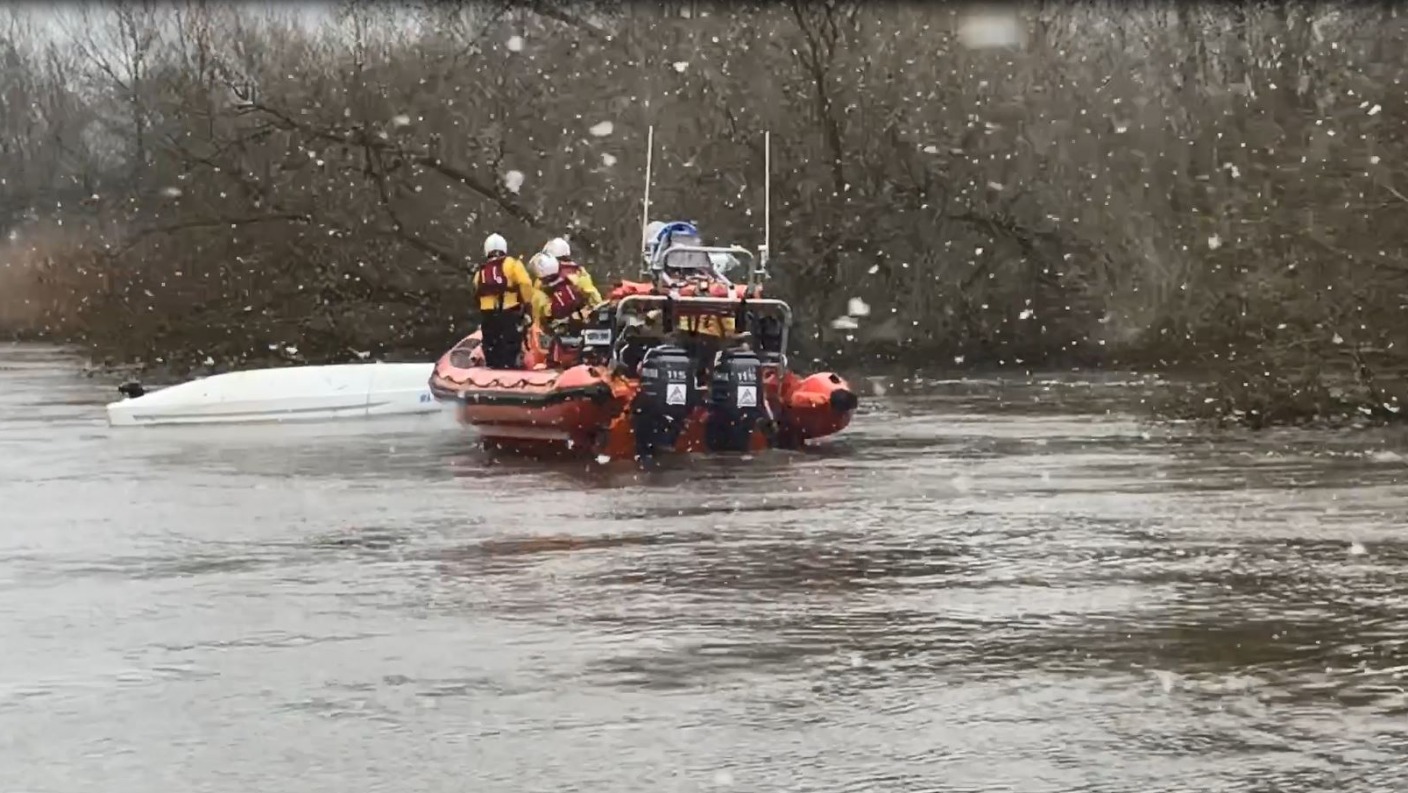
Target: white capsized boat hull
[(295, 393)]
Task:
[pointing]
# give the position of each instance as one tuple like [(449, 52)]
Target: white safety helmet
[(557, 248), (495, 243), (544, 265)]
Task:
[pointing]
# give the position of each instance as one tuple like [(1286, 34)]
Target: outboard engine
[(736, 401), (666, 398)]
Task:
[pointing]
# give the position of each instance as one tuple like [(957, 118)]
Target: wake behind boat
[(295, 393)]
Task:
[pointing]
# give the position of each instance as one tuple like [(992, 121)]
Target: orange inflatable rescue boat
[(687, 362), (624, 387)]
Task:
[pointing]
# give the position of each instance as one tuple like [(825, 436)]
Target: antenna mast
[(645, 206), (762, 269)]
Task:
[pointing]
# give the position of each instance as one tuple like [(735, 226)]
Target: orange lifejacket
[(493, 280), (703, 288), (628, 288)]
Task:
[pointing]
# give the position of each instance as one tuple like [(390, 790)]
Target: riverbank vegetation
[(1217, 188)]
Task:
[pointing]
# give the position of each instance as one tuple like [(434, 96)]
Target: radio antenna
[(645, 205), (767, 205)]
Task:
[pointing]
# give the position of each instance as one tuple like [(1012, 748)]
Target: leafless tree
[(1216, 187)]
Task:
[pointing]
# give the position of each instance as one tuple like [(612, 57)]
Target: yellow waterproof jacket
[(509, 285), (701, 324), (542, 298), (581, 279), (707, 325), (712, 324)]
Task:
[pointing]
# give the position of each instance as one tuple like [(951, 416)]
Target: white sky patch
[(602, 128), (513, 181), (987, 29)]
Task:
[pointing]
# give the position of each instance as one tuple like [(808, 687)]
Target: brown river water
[(984, 585)]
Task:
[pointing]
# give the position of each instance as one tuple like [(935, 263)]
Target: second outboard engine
[(736, 401), (666, 397)]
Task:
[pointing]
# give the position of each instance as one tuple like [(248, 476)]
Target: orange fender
[(817, 405)]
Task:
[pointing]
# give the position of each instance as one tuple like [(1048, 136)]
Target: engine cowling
[(665, 399), (736, 401)]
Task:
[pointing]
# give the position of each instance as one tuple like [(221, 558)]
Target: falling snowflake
[(931, 149), (1214, 242), (602, 129), (515, 44), (680, 66), (844, 323), (513, 181), (1374, 111), (401, 120), (608, 160), (856, 307)]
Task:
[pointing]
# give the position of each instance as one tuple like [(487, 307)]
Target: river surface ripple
[(984, 585)]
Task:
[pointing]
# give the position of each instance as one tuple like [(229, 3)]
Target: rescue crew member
[(559, 302), (558, 248), (504, 291), (694, 274), (560, 296)]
